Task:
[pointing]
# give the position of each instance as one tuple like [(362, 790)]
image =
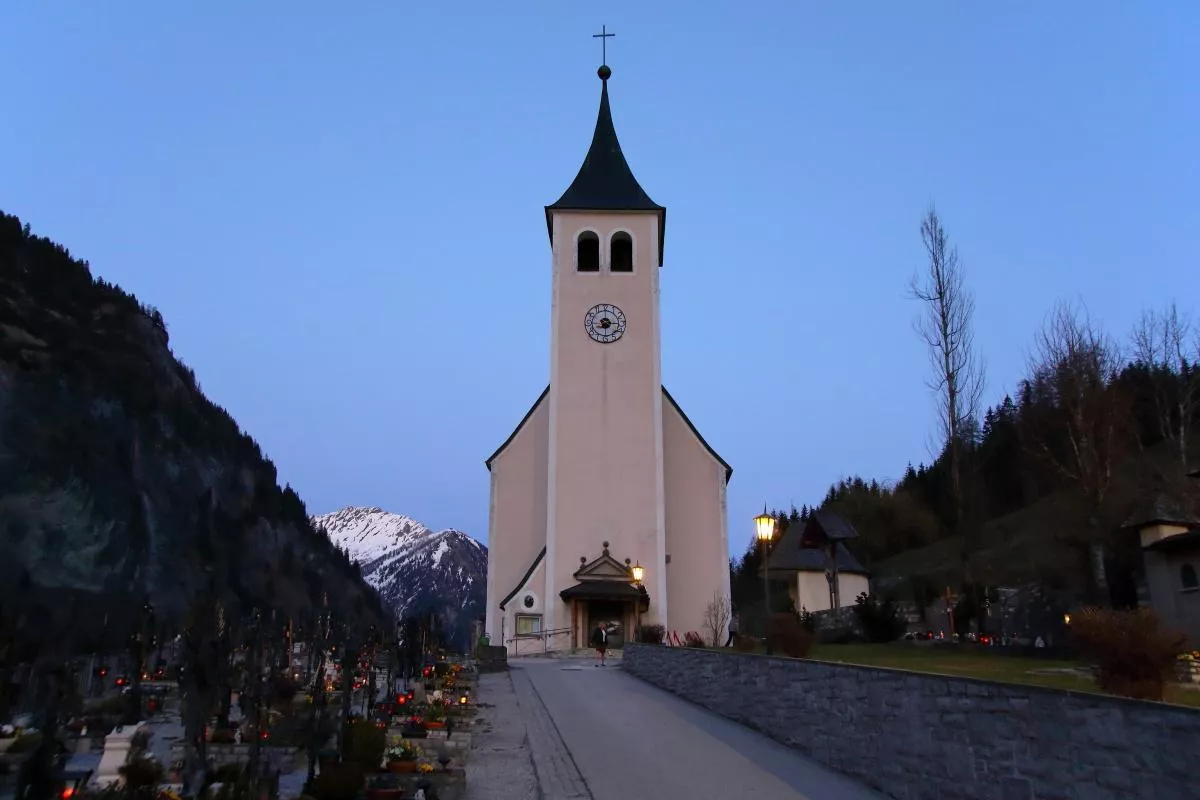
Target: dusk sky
[(339, 211)]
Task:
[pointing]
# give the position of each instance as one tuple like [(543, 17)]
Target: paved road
[(629, 739)]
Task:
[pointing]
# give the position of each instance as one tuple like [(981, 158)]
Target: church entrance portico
[(605, 594)]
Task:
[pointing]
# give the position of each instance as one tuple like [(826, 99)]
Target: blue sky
[(339, 212)]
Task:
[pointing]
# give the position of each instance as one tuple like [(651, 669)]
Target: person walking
[(600, 642), (733, 628)]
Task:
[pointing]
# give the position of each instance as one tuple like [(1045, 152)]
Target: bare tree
[(1167, 345), (1077, 422), (717, 616), (946, 327)]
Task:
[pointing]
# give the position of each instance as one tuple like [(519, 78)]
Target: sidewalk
[(501, 765)]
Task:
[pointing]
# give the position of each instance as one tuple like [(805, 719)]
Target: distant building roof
[(835, 525), (1161, 510), (789, 556)]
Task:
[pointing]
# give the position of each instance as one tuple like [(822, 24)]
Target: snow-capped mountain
[(415, 570)]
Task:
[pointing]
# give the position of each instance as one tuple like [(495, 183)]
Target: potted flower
[(1189, 666), (403, 757), (413, 727), (424, 768), (435, 718)]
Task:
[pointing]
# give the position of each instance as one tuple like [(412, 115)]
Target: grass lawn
[(975, 663)]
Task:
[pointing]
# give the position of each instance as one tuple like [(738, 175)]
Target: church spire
[(605, 182)]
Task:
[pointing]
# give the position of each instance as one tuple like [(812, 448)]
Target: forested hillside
[(1100, 424), (123, 489)]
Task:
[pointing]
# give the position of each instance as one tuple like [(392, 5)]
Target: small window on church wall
[(529, 624), (587, 252), (622, 252), (1187, 577)]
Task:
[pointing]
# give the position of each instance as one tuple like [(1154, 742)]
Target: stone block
[(1015, 789)]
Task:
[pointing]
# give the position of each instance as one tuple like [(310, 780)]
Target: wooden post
[(950, 609)]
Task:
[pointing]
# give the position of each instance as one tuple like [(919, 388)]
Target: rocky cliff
[(416, 571), (119, 479)]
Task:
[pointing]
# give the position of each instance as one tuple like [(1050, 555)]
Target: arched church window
[(587, 252), (621, 249), (1187, 577)]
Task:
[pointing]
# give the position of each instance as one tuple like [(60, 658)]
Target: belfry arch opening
[(587, 252), (621, 252)]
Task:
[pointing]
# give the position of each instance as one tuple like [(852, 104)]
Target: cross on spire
[(603, 36)]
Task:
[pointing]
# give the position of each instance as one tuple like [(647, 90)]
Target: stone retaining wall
[(918, 737), (456, 745), (493, 659), (219, 755)]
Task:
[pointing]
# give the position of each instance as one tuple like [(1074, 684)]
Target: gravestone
[(116, 752), (493, 659)]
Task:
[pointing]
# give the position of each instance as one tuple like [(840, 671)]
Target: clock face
[(605, 323)]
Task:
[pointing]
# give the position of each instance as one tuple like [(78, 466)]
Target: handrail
[(544, 636)]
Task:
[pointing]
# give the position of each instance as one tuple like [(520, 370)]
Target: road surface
[(606, 735)]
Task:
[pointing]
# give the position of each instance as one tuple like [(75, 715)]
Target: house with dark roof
[(812, 558), (1170, 538)]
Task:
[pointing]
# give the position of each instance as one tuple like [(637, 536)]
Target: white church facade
[(605, 480)]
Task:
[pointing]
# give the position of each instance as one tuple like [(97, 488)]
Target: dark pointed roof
[(1162, 509), (834, 525), (789, 556), (605, 182)]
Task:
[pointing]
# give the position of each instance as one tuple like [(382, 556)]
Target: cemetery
[(362, 739)]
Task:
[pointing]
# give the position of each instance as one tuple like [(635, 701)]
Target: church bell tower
[(605, 463), (607, 506)]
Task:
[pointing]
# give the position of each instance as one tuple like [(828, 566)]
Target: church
[(607, 505)]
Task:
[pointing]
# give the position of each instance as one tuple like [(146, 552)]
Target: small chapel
[(607, 505)]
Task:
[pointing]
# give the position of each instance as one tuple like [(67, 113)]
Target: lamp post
[(638, 573), (764, 531)]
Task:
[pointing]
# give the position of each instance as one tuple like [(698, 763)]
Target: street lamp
[(638, 573), (764, 531)]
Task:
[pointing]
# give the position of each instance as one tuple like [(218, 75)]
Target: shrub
[(223, 736), (808, 620), (141, 773), (282, 691), (881, 622), (789, 637), (367, 743), (1134, 656), (693, 639), (25, 743), (651, 634), (338, 782)]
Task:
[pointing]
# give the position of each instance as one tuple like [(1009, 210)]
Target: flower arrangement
[(425, 768), (404, 751), (1188, 666)]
